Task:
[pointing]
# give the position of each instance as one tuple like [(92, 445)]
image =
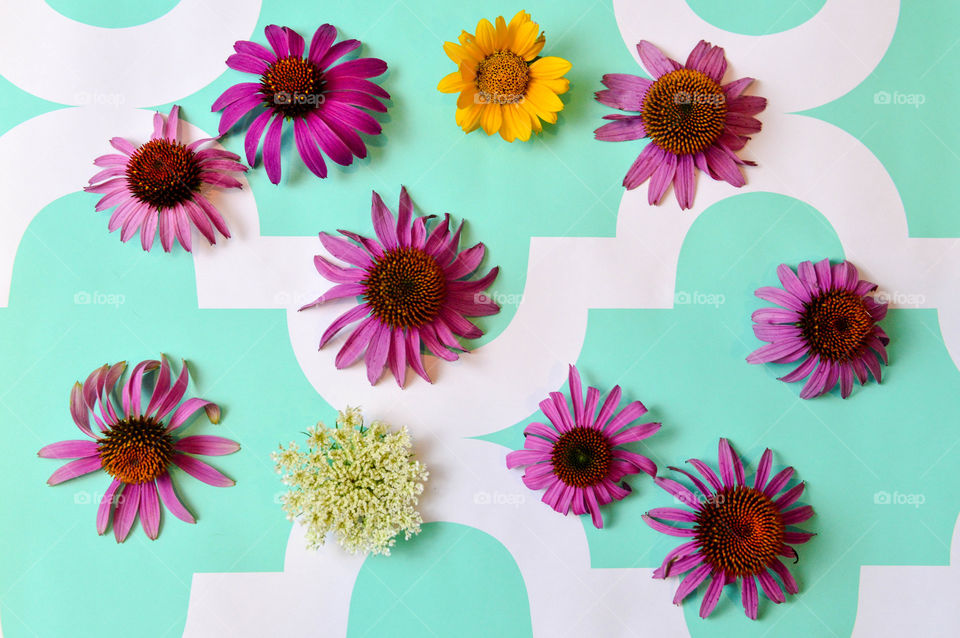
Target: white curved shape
[(897, 600), (61, 60), (806, 66), (609, 602)]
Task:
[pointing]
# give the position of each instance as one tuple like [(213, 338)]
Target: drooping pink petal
[(74, 469), (150, 510), (207, 445), (712, 595), (68, 450), (202, 471), (189, 407), (126, 511), (106, 507), (170, 500)]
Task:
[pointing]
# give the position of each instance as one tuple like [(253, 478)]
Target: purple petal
[(654, 61), (691, 582), (323, 37), (187, 409), (354, 314), (712, 595), (271, 150), (621, 130), (170, 500), (150, 510), (126, 511), (69, 450), (201, 471), (106, 507), (207, 445), (74, 469), (307, 146), (750, 598)]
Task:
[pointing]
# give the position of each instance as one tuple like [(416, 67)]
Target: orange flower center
[(405, 288), (292, 86), (739, 531), (163, 173), (136, 450), (502, 78), (684, 112), (836, 324), (581, 457)]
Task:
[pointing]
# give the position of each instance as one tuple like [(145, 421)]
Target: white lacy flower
[(361, 483)]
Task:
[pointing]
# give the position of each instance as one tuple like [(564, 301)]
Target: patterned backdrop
[(854, 161)]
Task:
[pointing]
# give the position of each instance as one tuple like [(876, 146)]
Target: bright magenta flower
[(135, 444)]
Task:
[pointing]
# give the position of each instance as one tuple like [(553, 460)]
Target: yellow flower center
[(502, 78), (740, 531), (836, 324), (684, 112)]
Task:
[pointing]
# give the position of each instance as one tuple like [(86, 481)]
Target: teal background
[(686, 363)]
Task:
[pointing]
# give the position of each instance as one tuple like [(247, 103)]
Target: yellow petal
[(558, 86), (549, 68), (465, 37), (518, 120), (515, 22), (532, 114), (468, 97), (491, 118), (453, 51), (535, 50), (486, 37), (543, 98), (468, 71), (453, 83), (469, 118), (524, 38), (501, 39)]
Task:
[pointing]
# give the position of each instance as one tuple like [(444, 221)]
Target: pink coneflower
[(414, 289), (135, 444), (828, 320), (158, 184), (691, 119), (736, 532), (323, 99), (578, 459)]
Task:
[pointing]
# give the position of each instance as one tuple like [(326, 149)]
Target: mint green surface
[(411, 592), (755, 17), (110, 13), (905, 113), (686, 364)]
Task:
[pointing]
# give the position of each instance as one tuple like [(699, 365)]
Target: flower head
[(578, 459), (828, 319), (361, 483), (736, 532), (134, 443), (413, 286), (692, 120), (159, 184), (503, 85), (324, 99)]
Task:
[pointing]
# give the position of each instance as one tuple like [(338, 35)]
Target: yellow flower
[(503, 86)]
